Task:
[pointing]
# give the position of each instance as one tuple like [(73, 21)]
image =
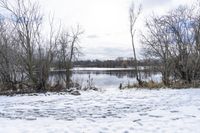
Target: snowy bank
[(110, 111)]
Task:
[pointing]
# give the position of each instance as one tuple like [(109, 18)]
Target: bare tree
[(156, 44), (133, 17), (26, 56), (7, 63), (46, 54), (179, 23), (69, 50), (26, 20), (174, 39)]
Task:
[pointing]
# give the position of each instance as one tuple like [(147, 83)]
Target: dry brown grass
[(155, 85), (149, 85)]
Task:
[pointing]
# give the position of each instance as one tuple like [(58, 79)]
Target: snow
[(110, 111)]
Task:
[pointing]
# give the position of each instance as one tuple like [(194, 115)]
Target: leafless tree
[(11, 73), (156, 44), (27, 55), (174, 39), (69, 50), (46, 54), (133, 17), (180, 24), (26, 20)]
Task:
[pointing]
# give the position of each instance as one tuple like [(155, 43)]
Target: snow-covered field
[(127, 111)]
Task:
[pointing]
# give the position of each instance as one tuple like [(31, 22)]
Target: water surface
[(106, 77)]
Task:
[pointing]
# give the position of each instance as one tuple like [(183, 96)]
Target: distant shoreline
[(99, 69)]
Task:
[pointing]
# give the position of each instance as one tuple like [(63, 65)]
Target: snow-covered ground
[(127, 111)]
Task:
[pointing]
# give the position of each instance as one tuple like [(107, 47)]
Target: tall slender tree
[(134, 13)]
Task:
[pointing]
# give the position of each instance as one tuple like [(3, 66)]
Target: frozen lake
[(110, 111)]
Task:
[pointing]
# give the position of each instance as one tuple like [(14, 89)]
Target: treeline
[(27, 53), (117, 63), (174, 39)]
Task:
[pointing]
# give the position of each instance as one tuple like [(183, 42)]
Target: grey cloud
[(92, 36), (107, 53), (153, 3)]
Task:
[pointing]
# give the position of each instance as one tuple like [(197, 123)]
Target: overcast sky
[(105, 23)]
